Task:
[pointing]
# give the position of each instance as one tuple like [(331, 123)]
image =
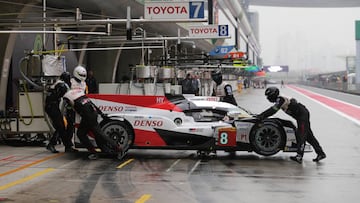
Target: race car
[(190, 123)]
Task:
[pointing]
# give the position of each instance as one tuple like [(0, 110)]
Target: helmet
[(272, 93), (217, 76), (65, 76), (80, 73)]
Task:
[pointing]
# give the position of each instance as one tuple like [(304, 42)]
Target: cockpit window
[(206, 115)]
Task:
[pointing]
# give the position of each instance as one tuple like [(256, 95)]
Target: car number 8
[(224, 138)]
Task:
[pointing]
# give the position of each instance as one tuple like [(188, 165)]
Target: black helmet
[(272, 93), (217, 76), (65, 76)]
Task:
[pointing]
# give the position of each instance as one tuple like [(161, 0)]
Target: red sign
[(235, 55), (226, 137)]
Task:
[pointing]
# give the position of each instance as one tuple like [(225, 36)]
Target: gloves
[(104, 116)]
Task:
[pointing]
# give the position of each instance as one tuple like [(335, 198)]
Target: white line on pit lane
[(172, 165), (195, 166)]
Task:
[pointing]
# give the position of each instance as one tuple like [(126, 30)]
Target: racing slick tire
[(267, 138), (120, 132)]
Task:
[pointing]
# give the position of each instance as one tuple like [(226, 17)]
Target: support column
[(357, 57)]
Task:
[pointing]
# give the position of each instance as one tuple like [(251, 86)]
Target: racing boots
[(93, 156), (93, 153), (51, 148), (297, 158), (120, 152), (319, 157), (70, 150)]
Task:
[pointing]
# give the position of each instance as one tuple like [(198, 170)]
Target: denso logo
[(112, 108), (148, 123)]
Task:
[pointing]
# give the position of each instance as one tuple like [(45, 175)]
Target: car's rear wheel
[(267, 139), (120, 132)]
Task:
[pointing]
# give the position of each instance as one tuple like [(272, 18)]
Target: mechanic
[(91, 83), (52, 109), (222, 89), (189, 85), (78, 79), (76, 82), (89, 115), (302, 116)]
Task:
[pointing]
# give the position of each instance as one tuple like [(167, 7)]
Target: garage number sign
[(209, 31), (173, 10)]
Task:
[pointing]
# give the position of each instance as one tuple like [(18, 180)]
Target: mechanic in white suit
[(76, 82), (89, 122), (78, 79), (222, 89)]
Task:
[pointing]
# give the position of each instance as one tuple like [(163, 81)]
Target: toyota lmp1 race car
[(191, 123)]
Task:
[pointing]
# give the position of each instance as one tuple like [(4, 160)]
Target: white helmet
[(80, 73)]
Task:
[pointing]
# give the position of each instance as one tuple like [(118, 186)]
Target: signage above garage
[(173, 10), (209, 31)]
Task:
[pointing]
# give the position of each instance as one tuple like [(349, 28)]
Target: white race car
[(191, 123)]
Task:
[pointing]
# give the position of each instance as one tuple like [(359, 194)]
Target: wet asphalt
[(32, 174)]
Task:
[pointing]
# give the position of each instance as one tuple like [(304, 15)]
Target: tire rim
[(268, 139), (117, 133)]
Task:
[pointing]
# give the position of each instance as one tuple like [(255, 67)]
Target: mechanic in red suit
[(302, 116)]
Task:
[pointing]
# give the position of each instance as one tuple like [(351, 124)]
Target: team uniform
[(52, 109), (77, 99), (78, 84), (69, 112), (89, 116), (222, 89), (302, 116)]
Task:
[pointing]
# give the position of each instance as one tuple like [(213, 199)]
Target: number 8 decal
[(224, 138)]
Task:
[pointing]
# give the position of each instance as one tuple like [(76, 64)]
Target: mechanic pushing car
[(89, 115), (75, 82), (302, 116), (222, 89), (52, 102)]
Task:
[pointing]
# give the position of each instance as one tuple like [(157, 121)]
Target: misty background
[(311, 40)]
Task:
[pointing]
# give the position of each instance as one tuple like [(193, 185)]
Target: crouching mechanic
[(302, 116), (222, 89), (52, 102), (89, 115)]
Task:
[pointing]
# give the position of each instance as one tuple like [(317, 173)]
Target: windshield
[(207, 111)]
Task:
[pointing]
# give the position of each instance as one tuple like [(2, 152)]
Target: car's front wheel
[(267, 139)]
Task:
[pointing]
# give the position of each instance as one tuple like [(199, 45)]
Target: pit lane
[(32, 174)]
